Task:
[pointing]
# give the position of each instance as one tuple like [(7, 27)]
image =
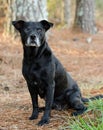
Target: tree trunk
[(85, 18), (28, 10), (67, 10)]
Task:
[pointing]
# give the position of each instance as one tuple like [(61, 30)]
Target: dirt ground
[(81, 55)]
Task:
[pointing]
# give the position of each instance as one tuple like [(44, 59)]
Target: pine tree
[(85, 19)]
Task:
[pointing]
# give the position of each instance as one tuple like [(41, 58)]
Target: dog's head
[(32, 33)]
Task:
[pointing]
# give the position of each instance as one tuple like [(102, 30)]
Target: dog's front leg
[(48, 104), (34, 98)]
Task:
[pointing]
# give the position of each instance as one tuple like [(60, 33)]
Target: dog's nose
[(32, 37)]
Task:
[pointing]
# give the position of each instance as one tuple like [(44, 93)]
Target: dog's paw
[(43, 122), (79, 112), (75, 113), (33, 116)]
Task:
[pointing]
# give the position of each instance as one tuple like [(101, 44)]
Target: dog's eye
[(39, 29), (27, 29)]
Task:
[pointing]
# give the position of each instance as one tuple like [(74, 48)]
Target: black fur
[(44, 74)]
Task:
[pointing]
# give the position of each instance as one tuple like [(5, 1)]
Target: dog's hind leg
[(73, 98)]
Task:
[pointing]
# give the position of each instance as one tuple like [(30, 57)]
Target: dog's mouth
[(32, 42)]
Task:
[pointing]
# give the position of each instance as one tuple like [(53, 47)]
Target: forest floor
[(83, 59)]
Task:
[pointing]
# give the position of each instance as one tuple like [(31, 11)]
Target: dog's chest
[(33, 75), (32, 72)]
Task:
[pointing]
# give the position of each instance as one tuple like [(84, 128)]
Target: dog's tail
[(91, 98)]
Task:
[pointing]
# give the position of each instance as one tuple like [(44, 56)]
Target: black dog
[(45, 75)]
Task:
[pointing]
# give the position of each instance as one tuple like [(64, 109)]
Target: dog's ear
[(46, 25), (18, 24)]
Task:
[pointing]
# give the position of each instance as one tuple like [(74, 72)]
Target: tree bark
[(28, 10), (85, 18), (67, 10)]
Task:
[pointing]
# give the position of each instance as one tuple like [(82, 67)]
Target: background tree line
[(76, 13)]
